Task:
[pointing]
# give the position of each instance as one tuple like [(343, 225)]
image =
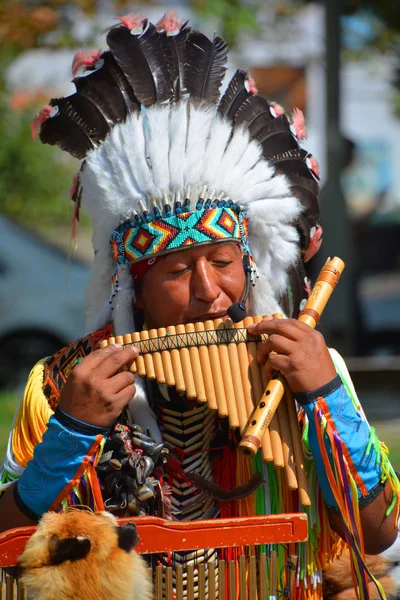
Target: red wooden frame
[(158, 535)]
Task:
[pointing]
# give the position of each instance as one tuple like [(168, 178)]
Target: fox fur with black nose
[(80, 555)]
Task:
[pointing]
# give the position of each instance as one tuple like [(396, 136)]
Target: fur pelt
[(81, 555), (338, 583)]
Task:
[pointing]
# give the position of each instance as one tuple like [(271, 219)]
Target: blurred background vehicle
[(41, 301)]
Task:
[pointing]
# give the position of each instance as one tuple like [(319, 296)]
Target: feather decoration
[(276, 144), (141, 58), (205, 66), (84, 59), (169, 23), (63, 130), (263, 127), (252, 111), (89, 127), (174, 49), (295, 161), (236, 93), (86, 115), (299, 124), (133, 22), (41, 117), (109, 90)]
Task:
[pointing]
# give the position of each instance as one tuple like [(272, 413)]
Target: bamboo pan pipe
[(264, 412)]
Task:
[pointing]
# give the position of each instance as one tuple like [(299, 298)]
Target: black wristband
[(364, 500), (308, 397), (78, 426), (22, 507)]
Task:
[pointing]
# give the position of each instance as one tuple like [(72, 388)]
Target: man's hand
[(97, 390), (301, 353)]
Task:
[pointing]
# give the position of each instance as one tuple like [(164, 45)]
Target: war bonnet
[(167, 163)]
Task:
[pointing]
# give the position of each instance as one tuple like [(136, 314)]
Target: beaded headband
[(145, 236)]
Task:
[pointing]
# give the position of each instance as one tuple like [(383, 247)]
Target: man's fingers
[(123, 397), (119, 382), (277, 362), (97, 356), (114, 361), (290, 328), (275, 343)]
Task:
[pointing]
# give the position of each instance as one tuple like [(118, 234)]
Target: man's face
[(192, 285)]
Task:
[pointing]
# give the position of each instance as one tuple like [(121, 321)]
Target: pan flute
[(216, 362)]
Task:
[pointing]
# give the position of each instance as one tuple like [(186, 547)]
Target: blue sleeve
[(360, 445), (56, 461)]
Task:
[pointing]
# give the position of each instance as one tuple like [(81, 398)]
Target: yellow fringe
[(33, 415)]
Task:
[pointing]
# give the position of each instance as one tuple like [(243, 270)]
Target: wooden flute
[(262, 415)]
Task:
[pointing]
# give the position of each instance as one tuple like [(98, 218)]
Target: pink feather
[(39, 119), (74, 187), (132, 21), (84, 59), (299, 124), (251, 85), (169, 22), (315, 244), (279, 110), (314, 166)]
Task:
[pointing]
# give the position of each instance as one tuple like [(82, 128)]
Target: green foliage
[(34, 179), (234, 16)]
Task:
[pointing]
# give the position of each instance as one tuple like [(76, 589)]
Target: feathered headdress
[(168, 163)]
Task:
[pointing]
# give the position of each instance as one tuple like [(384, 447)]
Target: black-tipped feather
[(141, 58), (86, 115), (276, 144), (255, 108), (308, 183), (205, 66), (131, 102), (62, 130), (263, 126), (174, 49), (235, 94), (294, 162), (108, 89)]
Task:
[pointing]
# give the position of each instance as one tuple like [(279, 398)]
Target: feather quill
[(236, 93), (205, 66), (141, 58), (174, 49)]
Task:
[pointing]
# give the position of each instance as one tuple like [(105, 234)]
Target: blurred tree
[(33, 185), (234, 16)]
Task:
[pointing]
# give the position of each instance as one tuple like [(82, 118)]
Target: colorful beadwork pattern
[(59, 366), (132, 241)]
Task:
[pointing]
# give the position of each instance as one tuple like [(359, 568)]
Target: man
[(196, 203)]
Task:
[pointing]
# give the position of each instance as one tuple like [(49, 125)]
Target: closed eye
[(223, 263)]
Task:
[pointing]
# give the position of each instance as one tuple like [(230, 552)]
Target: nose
[(205, 281)]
